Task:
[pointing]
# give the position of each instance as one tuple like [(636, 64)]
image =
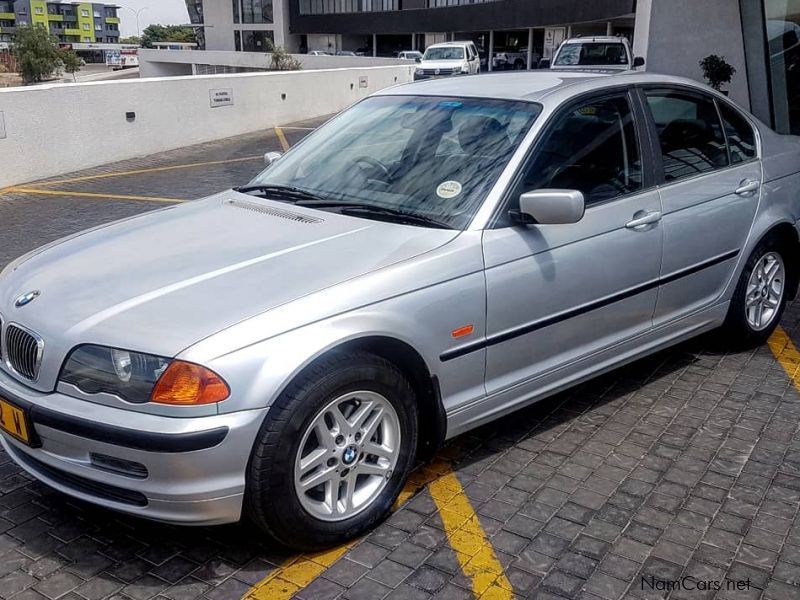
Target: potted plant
[(717, 71)]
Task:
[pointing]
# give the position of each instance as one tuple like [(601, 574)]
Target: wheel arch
[(432, 420), (785, 233)]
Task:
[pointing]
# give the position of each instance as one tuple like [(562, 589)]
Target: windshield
[(445, 53), (591, 54), (431, 157)]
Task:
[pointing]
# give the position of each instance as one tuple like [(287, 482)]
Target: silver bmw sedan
[(437, 256)]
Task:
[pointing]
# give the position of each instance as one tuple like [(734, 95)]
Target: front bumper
[(422, 77), (176, 470)]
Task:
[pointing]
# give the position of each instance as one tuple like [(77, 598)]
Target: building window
[(97, 14), (257, 41), (98, 27), (236, 11), (39, 10), (256, 11), (84, 12), (783, 37), (86, 26), (237, 40), (87, 39)]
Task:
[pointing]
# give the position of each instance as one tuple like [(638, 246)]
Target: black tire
[(736, 332), (270, 498)]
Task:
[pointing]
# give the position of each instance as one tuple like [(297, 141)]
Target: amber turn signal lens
[(188, 384)]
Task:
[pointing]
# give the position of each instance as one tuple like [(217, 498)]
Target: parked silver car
[(427, 261)]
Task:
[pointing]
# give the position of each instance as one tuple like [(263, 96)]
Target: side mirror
[(271, 157), (552, 207), (418, 59), (638, 61)]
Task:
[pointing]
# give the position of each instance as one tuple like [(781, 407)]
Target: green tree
[(167, 33), (71, 62), (133, 40), (37, 53)]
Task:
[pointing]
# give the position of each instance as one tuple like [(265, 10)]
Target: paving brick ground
[(684, 464)]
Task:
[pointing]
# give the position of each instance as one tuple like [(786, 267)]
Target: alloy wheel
[(347, 455), (765, 291)]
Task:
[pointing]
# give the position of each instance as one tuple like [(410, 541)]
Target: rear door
[(710, 188)]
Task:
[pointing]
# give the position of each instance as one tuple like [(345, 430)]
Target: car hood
[(167, 279)]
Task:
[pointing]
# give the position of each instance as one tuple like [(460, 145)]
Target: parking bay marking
[(786, 354), (94, 195), (461, 524), (282, 139), (149, 170)]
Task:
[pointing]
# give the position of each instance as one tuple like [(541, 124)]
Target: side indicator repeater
[(462, 331)]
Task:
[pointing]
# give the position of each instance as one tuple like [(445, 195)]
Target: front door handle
[(643, 218), (747, 187)]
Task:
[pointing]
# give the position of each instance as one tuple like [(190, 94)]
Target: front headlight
[(139, 378)]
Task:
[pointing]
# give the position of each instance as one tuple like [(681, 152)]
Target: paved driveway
[(684, 467)]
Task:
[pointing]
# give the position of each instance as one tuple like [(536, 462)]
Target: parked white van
[(450, 58)]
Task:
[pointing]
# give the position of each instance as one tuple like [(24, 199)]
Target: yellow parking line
[(468, 539), (282, 139), (149, 170), (787, 354), (92, 195), (298, 572)]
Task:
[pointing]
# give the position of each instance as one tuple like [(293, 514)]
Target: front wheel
[(333, 452), (760, 297)]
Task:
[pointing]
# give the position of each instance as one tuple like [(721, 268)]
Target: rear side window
[(689, 132), (741, 137), (592, 148)]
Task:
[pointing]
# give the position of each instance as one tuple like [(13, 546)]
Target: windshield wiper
[(356, 207), (287, 191)]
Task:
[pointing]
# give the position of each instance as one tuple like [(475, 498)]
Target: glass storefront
[(783, 41)]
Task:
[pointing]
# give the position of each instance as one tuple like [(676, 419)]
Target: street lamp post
[(137, 13)]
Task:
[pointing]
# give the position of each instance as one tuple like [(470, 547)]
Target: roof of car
[(531, 86), (454, 43), (596, 38)]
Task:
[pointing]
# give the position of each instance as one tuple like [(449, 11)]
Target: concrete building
[(242, 25), (70, 22), (760, 38)]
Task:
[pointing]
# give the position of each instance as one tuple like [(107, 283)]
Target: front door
[(559, 293), (710, 193)]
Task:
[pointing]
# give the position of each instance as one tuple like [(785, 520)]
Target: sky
[(164, 12)]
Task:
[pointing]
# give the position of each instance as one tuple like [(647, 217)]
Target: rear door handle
[(747, 187), (643, 218)]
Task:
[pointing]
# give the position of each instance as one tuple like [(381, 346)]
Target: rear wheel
[(333, 452), (760, 297)]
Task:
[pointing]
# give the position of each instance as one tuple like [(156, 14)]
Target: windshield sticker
[(448, 189)]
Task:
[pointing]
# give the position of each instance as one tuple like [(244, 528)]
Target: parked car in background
[(319, 53), (606, 53), (514, 59), (345, 53), (410, 55), (450, 58)]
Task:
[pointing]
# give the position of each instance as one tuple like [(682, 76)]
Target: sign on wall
[(221, 97), (553, 36)]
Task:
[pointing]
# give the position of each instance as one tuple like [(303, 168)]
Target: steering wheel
[(376, 165)]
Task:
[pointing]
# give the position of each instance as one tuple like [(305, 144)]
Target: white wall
[(166, 63), (674, 35), (170, 113)]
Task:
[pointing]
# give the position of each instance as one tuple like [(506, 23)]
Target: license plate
[(14, 421)]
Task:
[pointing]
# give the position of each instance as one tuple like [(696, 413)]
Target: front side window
[(445, 53), (591, 54), (435, 158), (592, 148), (740, 134), (689, 133)]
